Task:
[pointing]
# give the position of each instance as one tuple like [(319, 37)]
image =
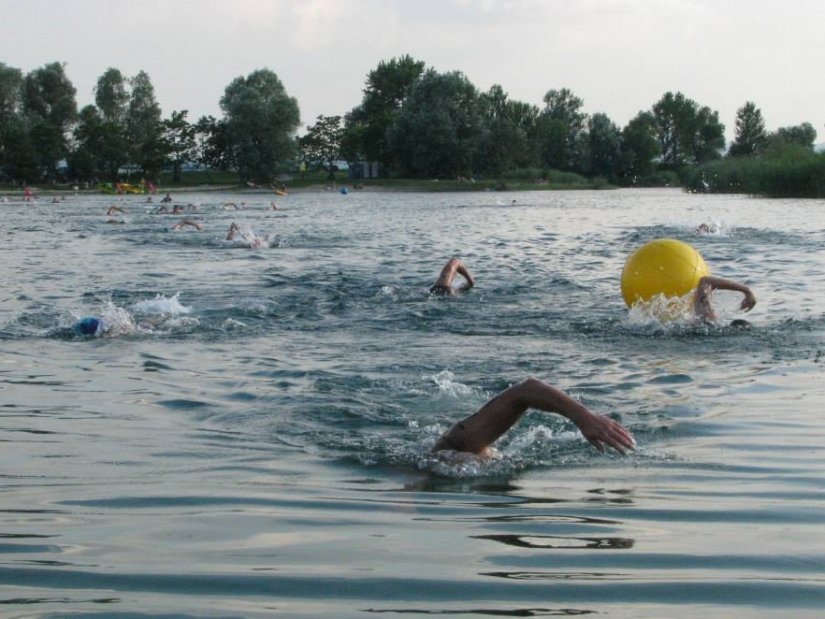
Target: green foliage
[(750, 132), (639, 148), (565, 145), (11, 81), (419, 124), (143, 126), (112, 96), (604, 147), (549, 139), (49, 109), (258, 129), (688, 134), (802, 136), (179, 139), (366, 126), (436, 133), (795, 172), (504, 141), (321, 146)]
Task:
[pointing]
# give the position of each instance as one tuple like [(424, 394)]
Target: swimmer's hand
[(600, 431), (749, 301)]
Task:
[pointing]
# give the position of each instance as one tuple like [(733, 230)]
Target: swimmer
[(230, 205), (187, 222), (167, 198), (273, 206), (255, 242), (114, 209), (55, 200), (703, 228), (444, 284), (88, 325), (477, 432), (702, 306)]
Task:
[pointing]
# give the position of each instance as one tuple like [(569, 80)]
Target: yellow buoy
[(664, 266)]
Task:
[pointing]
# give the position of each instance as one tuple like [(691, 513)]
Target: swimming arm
[(708, 284), (478, 431), (448, 273), (469, 281)]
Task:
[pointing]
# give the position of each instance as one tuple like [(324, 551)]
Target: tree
[(366, 126), (549, 137), (143, 126), (105, 132), (49, 108), (100, 147), (11, 81), (259, 125), (179, 137), (750, 135), (11, 120), (112, 96), (504, 142), (562, 106), (211, 145), (687, 133), (321, 146), (604, 140), (708, 138), (436, 133), (639, 147), (803, 135)]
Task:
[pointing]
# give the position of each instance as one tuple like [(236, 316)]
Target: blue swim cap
[(87, 325)]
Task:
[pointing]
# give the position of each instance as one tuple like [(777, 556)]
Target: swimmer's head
[(87, 325)]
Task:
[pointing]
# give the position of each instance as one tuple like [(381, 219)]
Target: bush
[(791, 175)]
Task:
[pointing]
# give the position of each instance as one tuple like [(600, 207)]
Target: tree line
[(415, 122)]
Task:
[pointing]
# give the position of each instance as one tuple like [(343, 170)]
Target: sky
[(619, 56)]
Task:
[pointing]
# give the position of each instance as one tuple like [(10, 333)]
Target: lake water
[(251, 437)]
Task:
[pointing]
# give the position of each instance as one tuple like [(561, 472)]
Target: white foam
[(168, 306), (446, 383)]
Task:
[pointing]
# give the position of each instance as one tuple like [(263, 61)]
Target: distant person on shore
[(444, 284), (702, 298), (476, 433), (187, 222)]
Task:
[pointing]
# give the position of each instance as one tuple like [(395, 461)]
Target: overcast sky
[(620, 56)]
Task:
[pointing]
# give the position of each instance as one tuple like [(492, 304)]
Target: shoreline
[(424, 187)]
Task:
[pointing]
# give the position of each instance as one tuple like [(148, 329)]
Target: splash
[(160, 305), (662, 313), (446, 383), (713, 227), (116, 321), (247, 237)]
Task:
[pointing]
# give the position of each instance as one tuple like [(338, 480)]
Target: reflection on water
[(253, 434)]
